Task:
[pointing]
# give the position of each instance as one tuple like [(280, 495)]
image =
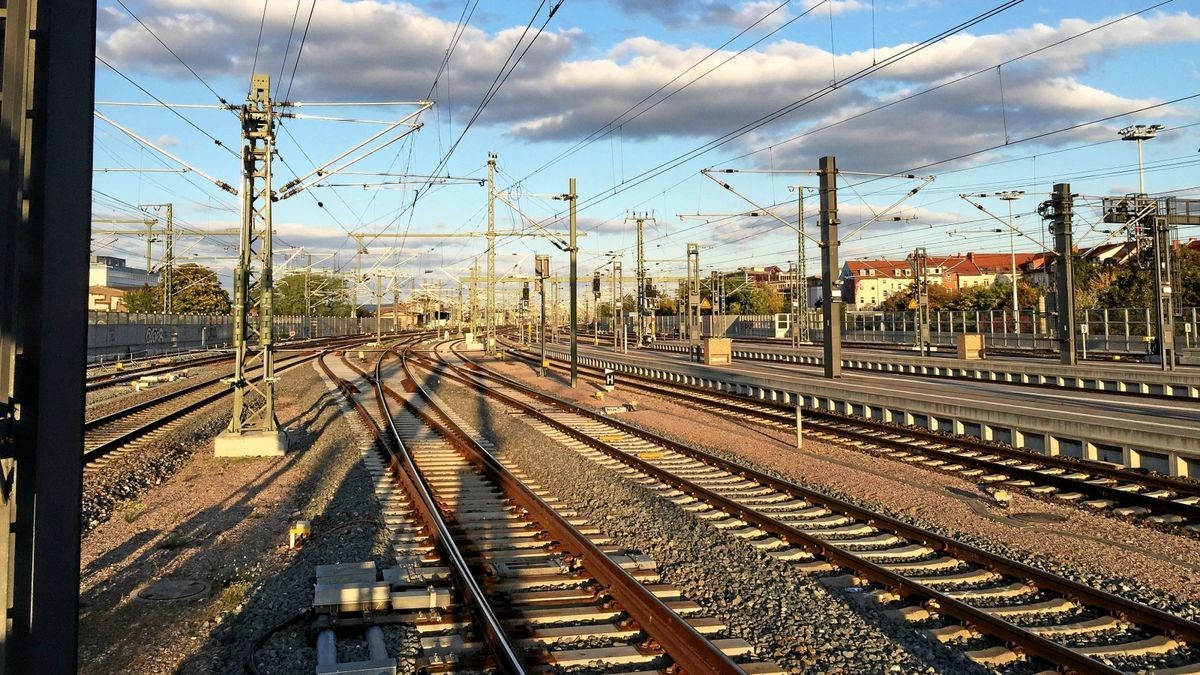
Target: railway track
[(996, 610), (539, 587), (1151, 499), (118, 431), (117, 377)]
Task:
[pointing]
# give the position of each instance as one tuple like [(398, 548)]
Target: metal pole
[(1165, 315), (612, 310), (474, 293), (169, 262), (1059, 210), (830, 271), (641, 277), (379, 309), (1012, 255), (802, 281), (1141, 175), (490, 340), (574, 290)]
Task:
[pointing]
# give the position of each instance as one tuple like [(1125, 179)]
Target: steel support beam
[(573, 196), (45, 213), (831, 285), (253, 429), (1059, 211)]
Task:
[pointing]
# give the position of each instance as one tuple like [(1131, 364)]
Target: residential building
[(868, 283)]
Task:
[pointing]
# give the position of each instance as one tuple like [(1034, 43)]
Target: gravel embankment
[(1141, 563), (224, 522), (790, 617)]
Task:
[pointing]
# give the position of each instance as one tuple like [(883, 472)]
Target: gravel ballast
[(224, 522), (1144, 564), (789, 616)]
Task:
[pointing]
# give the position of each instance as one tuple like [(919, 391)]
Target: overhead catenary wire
[(172, 52)]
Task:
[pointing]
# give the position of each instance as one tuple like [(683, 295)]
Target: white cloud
[(371, 49)]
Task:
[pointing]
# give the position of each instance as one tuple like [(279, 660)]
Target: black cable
[(166, 105), (258, 45), (177, 58), (724, 139), (248, 663), (300, 50), (288, 48), (608, 126)]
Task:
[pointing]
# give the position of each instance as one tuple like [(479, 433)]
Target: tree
[(144, 299), (196, 289), (666, 306), (327, 295), (757, 298)]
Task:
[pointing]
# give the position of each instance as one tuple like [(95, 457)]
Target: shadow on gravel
[(120, 553), (224, 545)]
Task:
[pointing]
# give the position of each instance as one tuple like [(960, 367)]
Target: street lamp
[(1139, 133), (1010, 196)]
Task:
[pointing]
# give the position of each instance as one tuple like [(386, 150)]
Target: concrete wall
[(116, 335)]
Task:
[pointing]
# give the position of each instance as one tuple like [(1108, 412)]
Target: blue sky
[(1011, 106)]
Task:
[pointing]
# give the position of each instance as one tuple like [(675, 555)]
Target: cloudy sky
[(634, 98)]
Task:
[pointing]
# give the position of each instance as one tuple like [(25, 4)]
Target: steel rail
[(827, 420), (404, 468), (95, 382), (127, 436), (1035, 645), (112, 379), (690, 650)]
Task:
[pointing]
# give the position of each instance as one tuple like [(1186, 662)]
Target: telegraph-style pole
[(1163, 286), (831, 306), (640, 273), (541, 267), (918, 260), (804, 327), (1058, 209), (574, 197), (490, 340), (169, 261), (693, 309), (253, 429), (474, 292)]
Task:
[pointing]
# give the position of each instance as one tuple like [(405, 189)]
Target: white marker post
[(799, 426), (1083, 334)]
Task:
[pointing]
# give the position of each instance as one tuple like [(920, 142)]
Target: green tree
[(666, 306), (144, 299), (195, 289), (756, 298), (327, 295)]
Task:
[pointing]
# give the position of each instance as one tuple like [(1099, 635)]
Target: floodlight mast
[(1139, 133)]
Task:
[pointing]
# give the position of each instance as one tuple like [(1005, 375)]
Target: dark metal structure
[(45, 213), (831, 285), (1059, 210)]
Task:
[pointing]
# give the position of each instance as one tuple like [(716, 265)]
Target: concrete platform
[(251, 444)]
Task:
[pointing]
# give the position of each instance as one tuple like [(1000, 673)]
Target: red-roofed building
[(867, 283)]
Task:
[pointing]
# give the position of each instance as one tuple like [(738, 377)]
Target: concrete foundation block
[(251, 444)]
